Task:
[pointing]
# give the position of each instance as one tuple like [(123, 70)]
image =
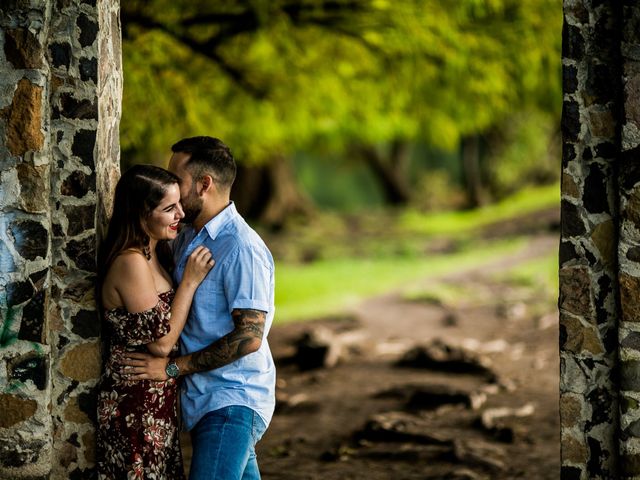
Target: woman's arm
[(245, 338), (138, 293), (198, 265)]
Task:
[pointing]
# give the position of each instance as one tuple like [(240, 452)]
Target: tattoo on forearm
[(248, 331)]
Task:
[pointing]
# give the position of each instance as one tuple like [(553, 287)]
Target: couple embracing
[(208, 289)]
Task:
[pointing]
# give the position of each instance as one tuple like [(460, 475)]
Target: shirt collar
[(214, 226)]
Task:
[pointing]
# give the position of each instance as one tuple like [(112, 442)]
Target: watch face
[(172, 369)]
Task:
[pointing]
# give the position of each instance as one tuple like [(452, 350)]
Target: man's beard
[(191, 206)]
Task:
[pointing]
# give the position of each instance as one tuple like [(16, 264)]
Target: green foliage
[(298, 75), (337, 184), (495, 57), (436, 191), (525, 151)]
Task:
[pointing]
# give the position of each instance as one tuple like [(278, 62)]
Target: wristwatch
[(172, 370)]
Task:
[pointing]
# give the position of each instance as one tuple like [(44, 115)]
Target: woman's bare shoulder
[(129, 266), (130, 282), (129, 258)]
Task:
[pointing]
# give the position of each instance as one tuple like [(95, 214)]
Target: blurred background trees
[(349, 104)]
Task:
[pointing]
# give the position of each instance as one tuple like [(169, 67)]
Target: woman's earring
[(147, 252)]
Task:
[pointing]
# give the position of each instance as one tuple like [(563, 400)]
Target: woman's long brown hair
[(138, 192)]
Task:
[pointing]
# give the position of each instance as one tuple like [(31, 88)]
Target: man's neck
[(209, 212)]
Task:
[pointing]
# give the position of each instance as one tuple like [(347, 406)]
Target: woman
[(137, 420)]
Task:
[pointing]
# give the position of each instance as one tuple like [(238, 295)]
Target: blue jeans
[(224, 445)]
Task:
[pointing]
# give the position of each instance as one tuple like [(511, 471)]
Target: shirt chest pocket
[(210, 298), (210, 317)]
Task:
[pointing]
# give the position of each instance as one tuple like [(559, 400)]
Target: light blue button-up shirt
[(242, 278)]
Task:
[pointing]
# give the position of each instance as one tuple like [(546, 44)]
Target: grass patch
[(539, 274), (460, 222), (328, 287), (444, 294)]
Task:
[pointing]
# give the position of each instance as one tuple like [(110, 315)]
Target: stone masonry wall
[(588, 264), (629, 244), (60, 92), (600, 247)]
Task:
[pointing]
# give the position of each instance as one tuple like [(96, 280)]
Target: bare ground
[(355, 421)]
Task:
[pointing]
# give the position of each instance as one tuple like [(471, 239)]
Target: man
[(228, 390)]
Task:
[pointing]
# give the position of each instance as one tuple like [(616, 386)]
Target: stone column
[(629, 244), (600, 247), (588, 266), (60, 94)]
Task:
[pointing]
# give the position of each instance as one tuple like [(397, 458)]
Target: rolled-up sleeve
[(247, 281)]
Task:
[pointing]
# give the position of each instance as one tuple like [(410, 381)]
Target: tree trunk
[(471, 171), (269, 193), (390, 173)]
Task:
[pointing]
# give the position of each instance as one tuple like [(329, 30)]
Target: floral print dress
[(137, 434)]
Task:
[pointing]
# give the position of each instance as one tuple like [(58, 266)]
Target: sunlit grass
[(330, 286), (460, 222), (446, 294), (533, 281), (539, 273)]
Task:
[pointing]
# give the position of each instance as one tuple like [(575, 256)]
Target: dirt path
[(319, 431)]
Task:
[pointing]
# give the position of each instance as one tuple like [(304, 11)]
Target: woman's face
[(162, 224)]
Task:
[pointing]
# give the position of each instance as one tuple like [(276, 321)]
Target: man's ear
[(206, 183)]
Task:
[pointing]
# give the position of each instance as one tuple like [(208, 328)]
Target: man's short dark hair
[(209, 156)]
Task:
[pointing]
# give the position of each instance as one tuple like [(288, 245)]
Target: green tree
[(362, 77)]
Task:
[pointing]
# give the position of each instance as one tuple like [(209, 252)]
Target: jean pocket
[(258, 428)]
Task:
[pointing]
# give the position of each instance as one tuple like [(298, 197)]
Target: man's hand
[(244, 339), (142, 366)]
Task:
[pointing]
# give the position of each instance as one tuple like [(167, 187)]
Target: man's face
[(191, 201)]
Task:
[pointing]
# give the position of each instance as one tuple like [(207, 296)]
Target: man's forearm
[(245, 338)]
